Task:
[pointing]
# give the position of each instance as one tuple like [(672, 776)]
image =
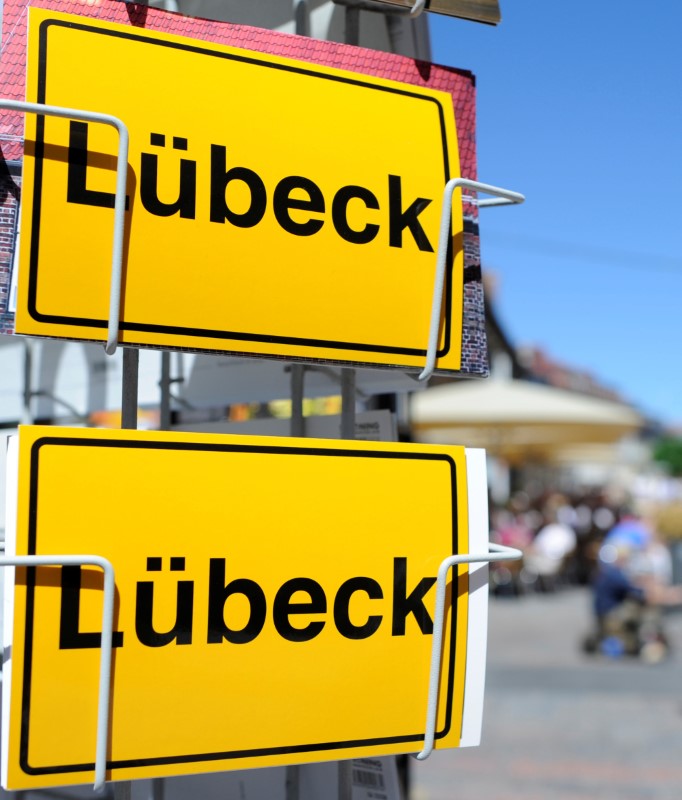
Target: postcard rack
[(129, 420)]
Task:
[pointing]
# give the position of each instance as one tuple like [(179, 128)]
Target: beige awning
[(517, 419)]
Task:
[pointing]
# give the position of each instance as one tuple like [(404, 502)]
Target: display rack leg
[(158, 789), (293, 774), (345, 780), (293, 783), (352, 22), (347, 403), (131, 362), (297, 386), (26, 414), (347, 432), (297, 428), (301, 18), (123, 790), (164, 385)]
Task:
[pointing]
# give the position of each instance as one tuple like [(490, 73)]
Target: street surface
[(561, 725)]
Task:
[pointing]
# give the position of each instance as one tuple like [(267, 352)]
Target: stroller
[(632, 628)]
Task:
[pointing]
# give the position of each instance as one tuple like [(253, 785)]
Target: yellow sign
[(275, 601), (275, 207)]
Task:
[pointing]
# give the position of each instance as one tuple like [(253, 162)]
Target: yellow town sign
[(275, 601), (275, 207)]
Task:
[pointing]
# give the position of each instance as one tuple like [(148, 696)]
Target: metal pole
[(26, 415), (347, 432), (297, 428), (123, 790), (345, 780), (165, 384), (301, 17), (131, 363), (297, 387), (158, 789), (293, 782), (352, 34), (347, 403)]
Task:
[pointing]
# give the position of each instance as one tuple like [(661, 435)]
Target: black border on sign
[(137, 444), (200, 333)]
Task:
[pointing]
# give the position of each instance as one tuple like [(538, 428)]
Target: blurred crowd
[(588, 540), (560, 536)]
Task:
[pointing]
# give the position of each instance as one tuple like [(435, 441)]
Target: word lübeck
[(290, 610), (293, 193)]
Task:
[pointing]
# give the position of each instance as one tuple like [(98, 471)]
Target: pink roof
[(459, 83)]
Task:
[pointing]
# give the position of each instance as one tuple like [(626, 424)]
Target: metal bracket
[(502, 197), (102, 741), (119, 197), (496, 552)]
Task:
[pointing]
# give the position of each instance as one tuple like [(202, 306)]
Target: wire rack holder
[(501, 197), (119, 196), (102, 736), (496, 552)]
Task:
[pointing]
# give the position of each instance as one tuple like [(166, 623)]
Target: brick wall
[(9, 208), (474, 337)]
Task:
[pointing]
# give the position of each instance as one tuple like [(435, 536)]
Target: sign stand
[(123, 790), (297, 426), (165, 384), (347, 432), (347, 403), (345, 768), (292, 782), (131, 365), (345, 780), (129, 413)]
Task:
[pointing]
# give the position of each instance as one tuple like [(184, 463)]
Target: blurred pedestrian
[(549, 552), (631, 531), (627, 603)]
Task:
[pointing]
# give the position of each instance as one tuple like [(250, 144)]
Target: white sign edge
[(11, 502), (477, 628)]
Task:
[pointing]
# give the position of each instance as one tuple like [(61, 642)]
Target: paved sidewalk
[(559, 725)]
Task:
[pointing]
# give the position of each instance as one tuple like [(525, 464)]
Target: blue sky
[(580, 109)]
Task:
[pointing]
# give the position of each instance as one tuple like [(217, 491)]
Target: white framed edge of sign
[(477, 633), (14, 274), (11, 499)]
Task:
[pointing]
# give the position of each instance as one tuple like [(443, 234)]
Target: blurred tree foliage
[(668, 451)]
